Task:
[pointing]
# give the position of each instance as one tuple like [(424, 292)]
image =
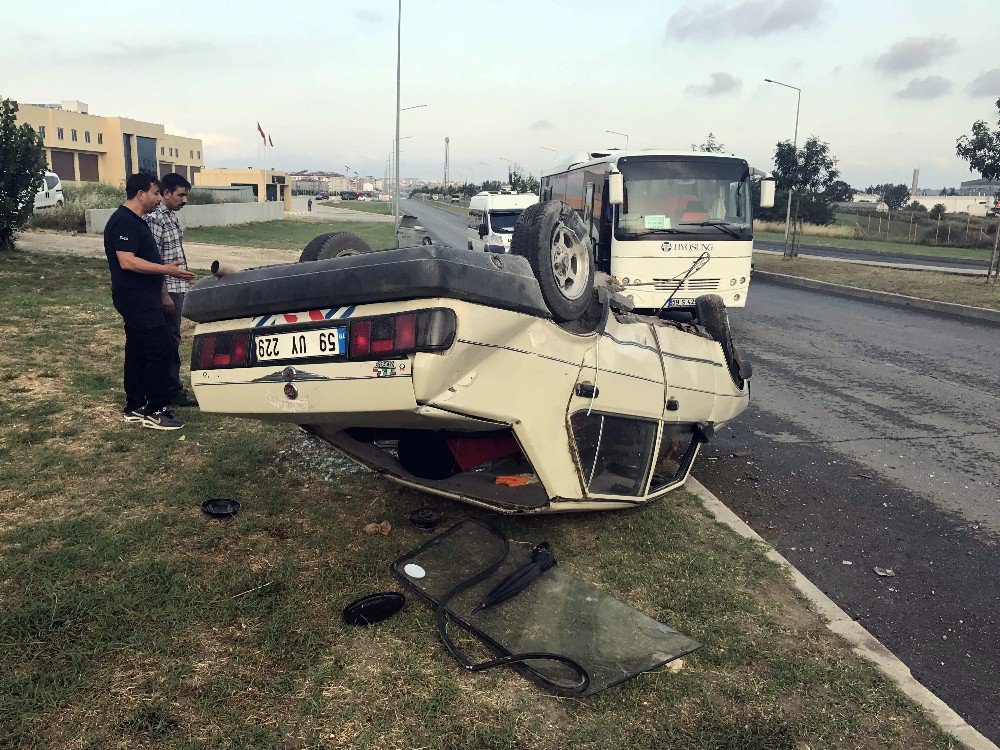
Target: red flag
[(260, 130), (270, 141)]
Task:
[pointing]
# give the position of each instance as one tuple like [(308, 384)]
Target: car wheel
[(59, 204), (553, 239), (427, 456), (334, 245), (711, 315), (426, 241)]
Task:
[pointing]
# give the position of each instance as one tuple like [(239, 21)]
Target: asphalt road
[(871, 441)]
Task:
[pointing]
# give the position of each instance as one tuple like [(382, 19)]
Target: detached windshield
[(673, 196), (502, 222)]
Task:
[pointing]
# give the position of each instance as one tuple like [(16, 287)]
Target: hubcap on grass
[(570, 262)]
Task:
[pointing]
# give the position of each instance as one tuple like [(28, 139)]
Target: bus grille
[(691, 285)]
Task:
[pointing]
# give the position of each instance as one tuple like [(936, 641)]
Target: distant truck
[(492, 216)]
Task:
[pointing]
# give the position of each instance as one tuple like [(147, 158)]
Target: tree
[(938, 211), (711, 145), (840, 192), (918, 207), (520, 182), (812, 169), (982, 150), (895, 196), (22, 170)]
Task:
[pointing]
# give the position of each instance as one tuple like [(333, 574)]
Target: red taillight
[(206, 352), (406, 332), (241, 342), (221, 350), (383, 328), (361, 338)]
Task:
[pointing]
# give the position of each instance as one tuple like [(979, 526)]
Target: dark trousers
[(147, 359), (177, 390)]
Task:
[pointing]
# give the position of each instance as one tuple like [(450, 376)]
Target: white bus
[(669, 225)]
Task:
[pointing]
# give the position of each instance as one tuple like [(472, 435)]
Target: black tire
[(427, 456), (334, 245), (553, 239), (711, 315)]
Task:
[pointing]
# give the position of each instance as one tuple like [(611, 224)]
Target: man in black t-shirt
[(137, 273)]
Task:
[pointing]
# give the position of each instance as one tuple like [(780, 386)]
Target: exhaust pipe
[(219, 269)]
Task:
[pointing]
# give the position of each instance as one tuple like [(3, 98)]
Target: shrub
[(938, 211), (23, 166), (918, 207)]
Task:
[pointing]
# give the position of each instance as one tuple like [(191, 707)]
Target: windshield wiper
[(655, 231), (717, 224)]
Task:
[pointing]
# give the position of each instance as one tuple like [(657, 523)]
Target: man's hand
[(175, 270), (168, 304)]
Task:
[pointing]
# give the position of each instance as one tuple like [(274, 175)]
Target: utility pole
[(790, 251), (399, 37), (447, 145)]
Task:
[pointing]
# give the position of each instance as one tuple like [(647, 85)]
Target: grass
[(290, 235), (70, 216), (369, 207), (132, 620), (881, 247), (944, 287)]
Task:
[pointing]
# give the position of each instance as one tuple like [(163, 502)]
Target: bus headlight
[(626, 281), (736, 297), (732, 282), (743, 279)]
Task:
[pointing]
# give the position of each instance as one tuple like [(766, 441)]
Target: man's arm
[(131, 262), (168, 301)]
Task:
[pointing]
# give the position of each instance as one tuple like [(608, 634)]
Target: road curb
[(838, 621), (980, 314)]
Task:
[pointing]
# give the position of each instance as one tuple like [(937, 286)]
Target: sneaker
[(132, 415), (183, 399), (161, 419)]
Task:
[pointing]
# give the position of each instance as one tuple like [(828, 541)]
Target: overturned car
[(504, 380)]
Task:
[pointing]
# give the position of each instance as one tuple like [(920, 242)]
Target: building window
[(41, 131), (199, 154), (59, 133), (86, 136), (100, 138), (192, 153), (162, 151), (72, 134)]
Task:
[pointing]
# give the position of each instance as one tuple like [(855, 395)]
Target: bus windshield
[(502, 222), (677, 195)]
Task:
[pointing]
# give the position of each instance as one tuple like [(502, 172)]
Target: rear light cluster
[(379, 337), (217, 350)]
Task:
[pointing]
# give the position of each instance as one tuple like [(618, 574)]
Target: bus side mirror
[(767, 193), (616, 189), (483, 231)]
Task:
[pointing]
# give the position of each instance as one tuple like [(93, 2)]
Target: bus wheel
[(711, 315), (334, 245), (553, 239)]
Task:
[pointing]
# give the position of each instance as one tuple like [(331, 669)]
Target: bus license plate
[(683, 302), (301, 344)]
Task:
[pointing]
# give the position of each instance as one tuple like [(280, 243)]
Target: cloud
[(987, 84), (541, 125), (749, 18), (915, 52), (930, 87), (216, 146), (120, 53), (722, 83), (369, 16)]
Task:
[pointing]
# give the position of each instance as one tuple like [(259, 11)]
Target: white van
[(50, 195), (492, 217)]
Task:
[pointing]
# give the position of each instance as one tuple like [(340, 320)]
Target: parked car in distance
[(322, 197), (50, 195)]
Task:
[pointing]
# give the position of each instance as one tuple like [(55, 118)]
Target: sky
[(889, 84)]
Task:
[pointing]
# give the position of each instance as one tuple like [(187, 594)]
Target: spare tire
[(712, 316), (553, 239), (334, 245)]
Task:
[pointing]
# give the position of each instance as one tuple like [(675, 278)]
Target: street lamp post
[(624, 135), (795, 153)]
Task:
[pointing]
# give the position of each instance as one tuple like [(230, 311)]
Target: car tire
[(711, 315), (59, 204), (427, 456), (551, 236), (334, 245)]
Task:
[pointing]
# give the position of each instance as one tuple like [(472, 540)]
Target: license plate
[(301, 344), (684, 302)]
